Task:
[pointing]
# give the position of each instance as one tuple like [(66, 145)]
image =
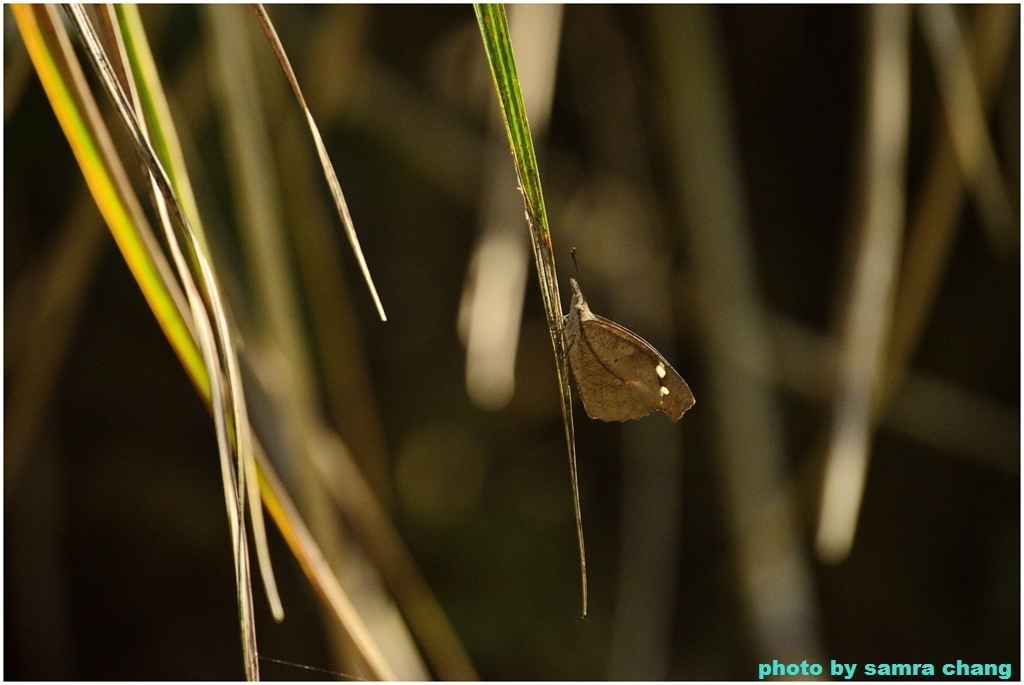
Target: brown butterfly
[(620, 376)]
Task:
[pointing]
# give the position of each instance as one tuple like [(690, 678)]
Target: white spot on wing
[(660, 369), (664, 390)]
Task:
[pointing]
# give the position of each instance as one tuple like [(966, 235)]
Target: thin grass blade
[(325, 161), (498, 45)]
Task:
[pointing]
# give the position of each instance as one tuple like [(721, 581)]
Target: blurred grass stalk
[(775, 578), (492, 308), (868, 311), (933, 220), (277, 351), (964, 109), (961, 159), (327, 477)]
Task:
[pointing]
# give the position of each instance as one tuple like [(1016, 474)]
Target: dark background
[(117, 561)]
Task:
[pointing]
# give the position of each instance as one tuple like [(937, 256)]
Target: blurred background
[(812, 212)]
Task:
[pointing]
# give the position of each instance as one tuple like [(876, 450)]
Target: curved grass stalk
[(214, 336), (163, 135), (53, 58)]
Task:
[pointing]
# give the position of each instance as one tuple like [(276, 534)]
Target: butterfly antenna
[(579, 279)]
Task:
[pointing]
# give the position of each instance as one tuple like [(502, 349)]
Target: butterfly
[(620, 376)]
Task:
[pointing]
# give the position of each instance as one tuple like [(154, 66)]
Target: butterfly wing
[(620, 376)]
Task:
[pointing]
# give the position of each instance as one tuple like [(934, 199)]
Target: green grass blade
[(498, 45), (162, 134)]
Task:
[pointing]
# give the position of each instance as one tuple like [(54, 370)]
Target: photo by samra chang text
[(849, 671)]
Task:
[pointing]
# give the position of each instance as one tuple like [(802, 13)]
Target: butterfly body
[(620, 375)]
